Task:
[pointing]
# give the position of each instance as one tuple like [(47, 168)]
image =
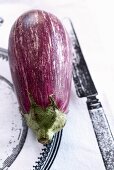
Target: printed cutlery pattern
[(85, 88)]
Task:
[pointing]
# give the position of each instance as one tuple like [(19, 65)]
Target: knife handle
[(102, 131)]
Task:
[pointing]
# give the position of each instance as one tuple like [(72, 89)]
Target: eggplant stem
[(45, 122)]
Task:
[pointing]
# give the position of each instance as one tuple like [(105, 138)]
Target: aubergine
[(40, 61)]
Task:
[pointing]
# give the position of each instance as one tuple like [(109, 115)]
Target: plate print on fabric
[(14, 127)]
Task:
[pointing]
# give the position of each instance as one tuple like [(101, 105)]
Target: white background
[(94, 23)]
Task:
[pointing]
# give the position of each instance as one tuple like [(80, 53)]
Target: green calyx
[(45, 122)]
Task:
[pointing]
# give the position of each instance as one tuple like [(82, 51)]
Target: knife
[(85, 87)]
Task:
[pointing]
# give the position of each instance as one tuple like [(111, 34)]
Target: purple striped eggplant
[(40, 61)]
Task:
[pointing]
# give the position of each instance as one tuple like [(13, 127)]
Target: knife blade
[(85, 87)]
